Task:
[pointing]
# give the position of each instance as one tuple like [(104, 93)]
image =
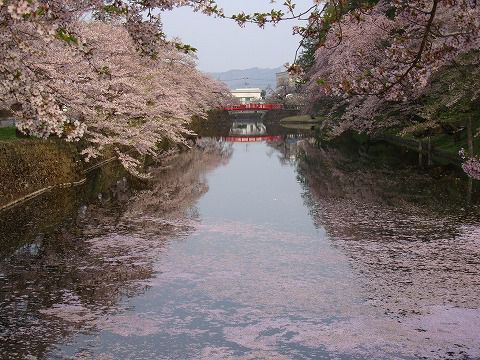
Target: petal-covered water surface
[(265, 250)]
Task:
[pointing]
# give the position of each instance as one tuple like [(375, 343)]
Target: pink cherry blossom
[(116, 83)]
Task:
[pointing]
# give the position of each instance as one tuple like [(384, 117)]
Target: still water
[(278, 249)]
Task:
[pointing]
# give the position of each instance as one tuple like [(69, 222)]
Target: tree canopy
[(104, 71)]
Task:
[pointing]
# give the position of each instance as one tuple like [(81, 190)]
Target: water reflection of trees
[(170, 198), (412, 238), (70, 275), (288, 149)]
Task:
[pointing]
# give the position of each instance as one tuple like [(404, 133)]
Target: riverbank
[(30, 167), (443, 144)]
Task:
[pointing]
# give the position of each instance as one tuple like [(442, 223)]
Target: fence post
[(470, 135), (420, 153), (429, 152)]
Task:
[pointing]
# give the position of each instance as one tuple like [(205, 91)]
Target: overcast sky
[(222, 45)]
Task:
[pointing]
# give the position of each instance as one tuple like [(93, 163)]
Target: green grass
[(8, 133), (300, 119), (453, 144), (446, 143), (299, 126)]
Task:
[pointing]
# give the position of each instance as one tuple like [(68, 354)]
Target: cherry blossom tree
[(379, 57), (115, 82), (393, 50), (52, 65)]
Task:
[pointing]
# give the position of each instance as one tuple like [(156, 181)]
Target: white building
[(249, 95)]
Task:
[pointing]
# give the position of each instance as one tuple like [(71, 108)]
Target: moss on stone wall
[(30, 165)]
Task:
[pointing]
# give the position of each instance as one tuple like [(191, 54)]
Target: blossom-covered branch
[(115, 82)]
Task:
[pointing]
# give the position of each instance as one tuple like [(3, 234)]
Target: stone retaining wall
[(7, 122), (27, 166)]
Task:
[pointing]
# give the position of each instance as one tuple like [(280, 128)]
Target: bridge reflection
[(249, 131), (248, 128), (268, 138), (255, 131), (253, 106)]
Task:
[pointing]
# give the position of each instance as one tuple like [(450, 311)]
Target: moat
[(277, 248)]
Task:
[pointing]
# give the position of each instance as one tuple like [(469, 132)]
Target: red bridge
[(247, 107)]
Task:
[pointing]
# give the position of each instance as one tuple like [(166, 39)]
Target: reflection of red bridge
[(253, 138), (247, 107)]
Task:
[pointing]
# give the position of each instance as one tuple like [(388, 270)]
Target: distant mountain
[(253, 77)]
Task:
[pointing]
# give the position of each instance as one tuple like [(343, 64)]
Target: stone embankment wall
[(28, 166)]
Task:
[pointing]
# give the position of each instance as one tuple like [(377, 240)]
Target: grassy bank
[(300, 122), (453, 143), (8, 133), (444, 141), (442, 138), (28, 165)]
